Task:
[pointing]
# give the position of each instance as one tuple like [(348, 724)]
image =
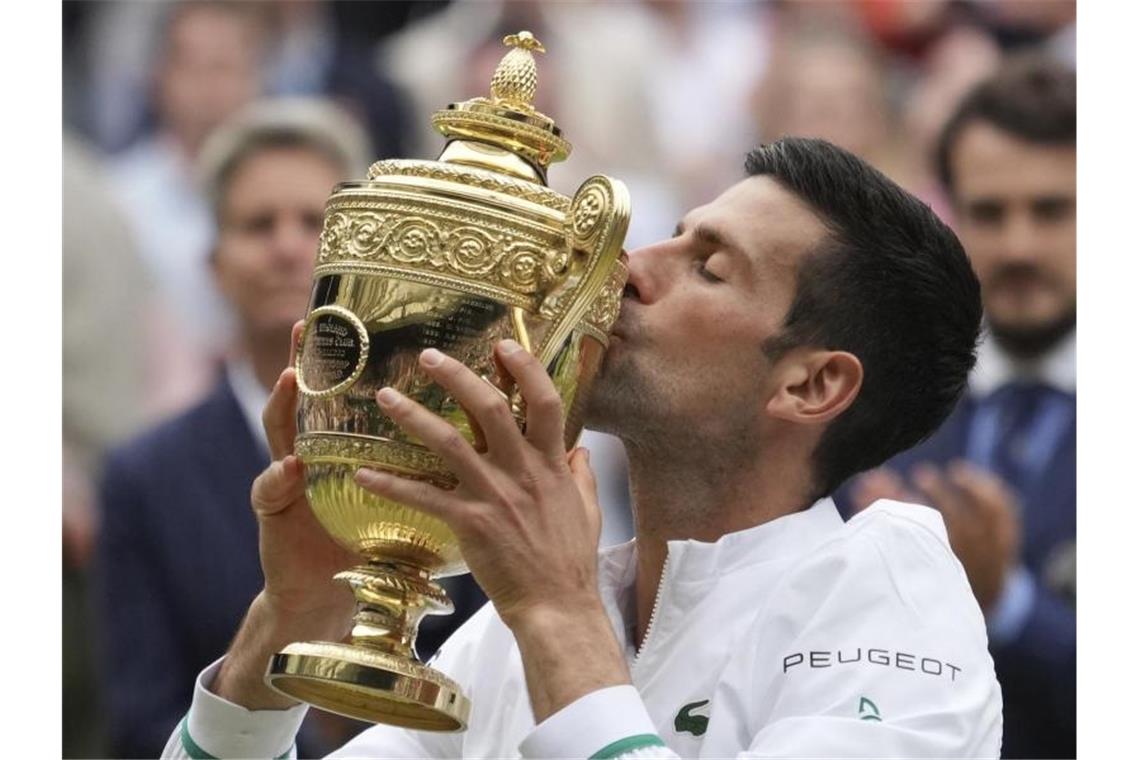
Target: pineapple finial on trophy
[(516, 77), (504, 132)]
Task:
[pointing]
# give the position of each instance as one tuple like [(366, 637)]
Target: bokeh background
[(668, 95)]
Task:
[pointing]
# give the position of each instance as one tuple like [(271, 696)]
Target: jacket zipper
[(653, 614)]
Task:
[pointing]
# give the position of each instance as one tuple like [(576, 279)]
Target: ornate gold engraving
[(533, 143), (480, 248), (366, 451), (527, 191), (605, 308)]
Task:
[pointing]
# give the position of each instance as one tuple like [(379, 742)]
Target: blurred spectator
[(105, 308), (826, 80), (310, 54), (103, 337), (1002, 468), (952, 66), (109, 49), (708, 59), (1050, 24), (177, 564), (209, 67)]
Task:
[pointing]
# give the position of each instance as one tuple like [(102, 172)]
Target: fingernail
[(586, 453), (387, 397), (366, 477), (431, 358), (509, 347)]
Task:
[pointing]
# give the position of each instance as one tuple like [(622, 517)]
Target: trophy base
[(369, 685)]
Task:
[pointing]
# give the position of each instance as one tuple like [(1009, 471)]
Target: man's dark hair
[(1032, 96), (891, 285)]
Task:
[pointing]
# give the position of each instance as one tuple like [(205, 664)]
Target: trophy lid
[(508, 119)]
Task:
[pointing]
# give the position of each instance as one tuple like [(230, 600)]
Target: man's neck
[(268, 353), (996, 367), (692, 497)]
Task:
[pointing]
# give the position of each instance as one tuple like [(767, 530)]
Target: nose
[(647, 280), (293, 243), (1019, 238)]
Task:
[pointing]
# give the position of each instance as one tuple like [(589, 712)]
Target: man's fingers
[(435, 433), (938, 492), (985, 490), (490, 417), (278, 486), (881, 483), (583, 475), (279, 418), (544, 427), (414, 493), (587, 485), (295, 341)]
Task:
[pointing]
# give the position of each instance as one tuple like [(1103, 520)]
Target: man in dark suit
[(1002, 469), (177, 561)]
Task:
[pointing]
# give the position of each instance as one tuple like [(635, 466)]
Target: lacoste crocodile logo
[(694, 724)]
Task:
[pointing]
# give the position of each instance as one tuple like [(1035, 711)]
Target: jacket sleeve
[(145, 678), (877, 650)]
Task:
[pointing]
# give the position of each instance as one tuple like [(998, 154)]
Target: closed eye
[(701, 266)]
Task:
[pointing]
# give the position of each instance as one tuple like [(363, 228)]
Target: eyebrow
[(709, 235)]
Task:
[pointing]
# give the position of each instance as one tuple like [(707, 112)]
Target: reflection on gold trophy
[(455, 254)]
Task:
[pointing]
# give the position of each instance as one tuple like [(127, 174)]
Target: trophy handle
[(595, 228)]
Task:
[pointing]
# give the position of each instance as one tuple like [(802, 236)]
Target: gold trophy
[(454, 254)]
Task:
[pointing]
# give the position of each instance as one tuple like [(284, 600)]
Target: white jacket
[(801, 637)]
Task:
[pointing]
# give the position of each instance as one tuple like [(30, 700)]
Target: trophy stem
[(377, 677), (391, 600)]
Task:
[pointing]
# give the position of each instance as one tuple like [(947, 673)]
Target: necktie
[(1025, 424)]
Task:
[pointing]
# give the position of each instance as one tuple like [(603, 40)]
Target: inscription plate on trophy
[(472, 319), (334, 350)]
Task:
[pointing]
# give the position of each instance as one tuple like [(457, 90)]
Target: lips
[(1018, 276)]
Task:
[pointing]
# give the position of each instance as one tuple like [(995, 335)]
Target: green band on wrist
[(192, 749), (628, 744)]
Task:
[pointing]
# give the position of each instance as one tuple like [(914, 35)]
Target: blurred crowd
[(201, 138)]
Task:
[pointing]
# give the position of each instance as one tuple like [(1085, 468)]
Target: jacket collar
[(250, 395), (1056, 368), (785, 537)]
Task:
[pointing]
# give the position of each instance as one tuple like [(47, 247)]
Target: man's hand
[(981, 519), (980, 512), (300, 601), (298, 557), (526, 517)]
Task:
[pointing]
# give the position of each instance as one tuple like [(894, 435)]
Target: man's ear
[(815, 386)]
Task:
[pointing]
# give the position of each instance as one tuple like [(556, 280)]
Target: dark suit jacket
[(177, 567), (1037, 669)]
